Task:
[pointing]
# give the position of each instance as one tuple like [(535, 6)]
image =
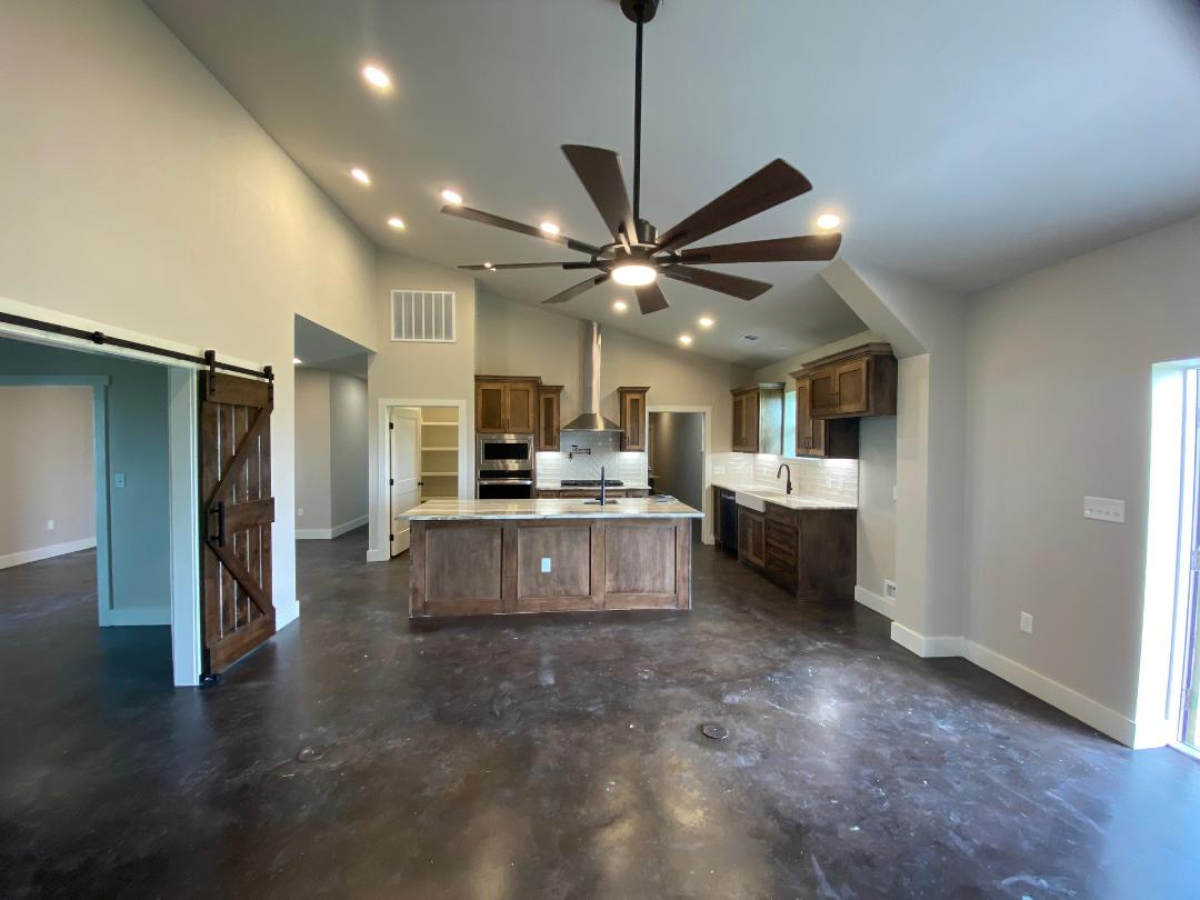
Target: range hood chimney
[(590, 419)]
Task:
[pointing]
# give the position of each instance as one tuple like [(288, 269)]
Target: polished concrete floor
[(556, 758)]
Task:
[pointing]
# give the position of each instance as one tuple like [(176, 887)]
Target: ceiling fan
[(638, 254)]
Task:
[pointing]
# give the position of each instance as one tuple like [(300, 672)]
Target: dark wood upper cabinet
[(758, 418), (506, 405), (824, 438), (633, 417), (549, 416), (855, 383)]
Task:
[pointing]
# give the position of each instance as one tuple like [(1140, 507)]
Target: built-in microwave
[(505, 452)]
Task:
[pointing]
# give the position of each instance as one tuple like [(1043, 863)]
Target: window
[(789, 423)]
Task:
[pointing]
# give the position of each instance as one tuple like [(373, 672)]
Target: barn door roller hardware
[(209, 360)]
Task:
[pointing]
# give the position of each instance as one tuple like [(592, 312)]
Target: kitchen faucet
[(783, 466), (602, 486)]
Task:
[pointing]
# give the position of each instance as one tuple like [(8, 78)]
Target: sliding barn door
[(235, 487)]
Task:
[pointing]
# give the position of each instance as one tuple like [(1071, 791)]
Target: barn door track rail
[(208, 360)]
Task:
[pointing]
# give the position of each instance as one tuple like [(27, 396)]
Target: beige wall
[(137, 193), (1059, 408), (519, 339), (413, 371), (47, 469), (348, 427), (314, 494)]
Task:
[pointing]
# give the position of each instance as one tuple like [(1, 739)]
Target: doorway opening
[(424, 462), (677, 455), (99, 466)]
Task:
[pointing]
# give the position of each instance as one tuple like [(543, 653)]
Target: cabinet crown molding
[(875, 348)]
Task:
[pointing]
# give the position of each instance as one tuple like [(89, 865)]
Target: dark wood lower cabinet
[(811, 553)]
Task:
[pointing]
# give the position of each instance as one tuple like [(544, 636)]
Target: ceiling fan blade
[(475, 215), (499, 266), (577, 289), (600, 172), (733, 285), (808, 248), (771, 185), (650, 298)]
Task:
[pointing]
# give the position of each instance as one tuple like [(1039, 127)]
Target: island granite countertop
[(571, 508)]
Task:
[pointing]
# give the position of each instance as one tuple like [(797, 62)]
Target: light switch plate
[(49, 524), (545, 564), (119, 479), (1103, 509), (1027, 623)]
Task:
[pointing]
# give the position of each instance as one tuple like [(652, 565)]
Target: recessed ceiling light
[(296, 360), (634, 274), (360, 175), (705, 322), (376, 77), (454, 198), (549, 227), (685, 339), (397, 223), (828, 221), (620, 306)]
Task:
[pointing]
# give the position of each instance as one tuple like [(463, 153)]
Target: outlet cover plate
[(1104, 509), (545, 564), (1027, 623)]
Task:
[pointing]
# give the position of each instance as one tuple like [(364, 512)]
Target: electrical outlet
[(300, 513), (718, 470), (545, 564), (1103, 509), (49, 524), (119, 479), (889, 590), (1027, 623)]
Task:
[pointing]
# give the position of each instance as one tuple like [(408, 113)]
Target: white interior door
[(405, 451)]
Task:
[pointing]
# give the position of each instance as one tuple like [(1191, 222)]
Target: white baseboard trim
[(135, 616), (328, 534), (27, 556), (339, 530), (873, 601), (378, 555), (1073, 703), (926, 647)]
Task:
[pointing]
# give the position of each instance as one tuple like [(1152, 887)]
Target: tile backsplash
[(826, 479), (553, 467)]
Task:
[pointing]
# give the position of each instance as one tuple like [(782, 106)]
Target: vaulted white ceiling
[(962, 142)]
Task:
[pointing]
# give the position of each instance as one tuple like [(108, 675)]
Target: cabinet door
[(822, 398), (752, 422), (810, 432), (739, 422), (489, 406), (549, 411), (752, 538), (633, 421), (852, 396), (522, 407)]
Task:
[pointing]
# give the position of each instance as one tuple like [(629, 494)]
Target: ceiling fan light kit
[(638, 254)]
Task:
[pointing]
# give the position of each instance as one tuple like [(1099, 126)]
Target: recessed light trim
[(377, 77), (634, 274), (828, 221), (620, 306), (360, 175), (396, 223), (453, 197), (706, 322), (549, 227), (686, 340)]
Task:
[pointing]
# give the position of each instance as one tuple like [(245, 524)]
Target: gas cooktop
[(587, 482)]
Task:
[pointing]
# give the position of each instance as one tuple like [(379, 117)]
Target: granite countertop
[(779, 498), (629, 508)]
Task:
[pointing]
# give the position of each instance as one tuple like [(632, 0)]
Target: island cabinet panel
[(474, 567), (568, 584)]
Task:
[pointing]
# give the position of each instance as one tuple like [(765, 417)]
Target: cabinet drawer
[(781, 514)]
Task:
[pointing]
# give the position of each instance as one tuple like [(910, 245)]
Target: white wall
[(1058, 406), (331, 453), (139, 194), (139, 523), (46, 471), (519, 339)]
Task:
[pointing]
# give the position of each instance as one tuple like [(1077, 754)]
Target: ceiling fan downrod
[(639, 12)]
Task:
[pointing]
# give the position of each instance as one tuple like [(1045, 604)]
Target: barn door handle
[(219, 512)]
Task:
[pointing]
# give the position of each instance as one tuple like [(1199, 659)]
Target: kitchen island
[(500, 557)]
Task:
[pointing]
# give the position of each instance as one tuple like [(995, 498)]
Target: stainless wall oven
[(506, 466)]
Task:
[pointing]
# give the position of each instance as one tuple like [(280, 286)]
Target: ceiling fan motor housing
[(648, 9)]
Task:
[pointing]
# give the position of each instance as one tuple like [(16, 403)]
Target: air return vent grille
[(425, 316)]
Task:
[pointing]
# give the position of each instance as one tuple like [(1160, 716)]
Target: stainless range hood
[(590, 419)]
